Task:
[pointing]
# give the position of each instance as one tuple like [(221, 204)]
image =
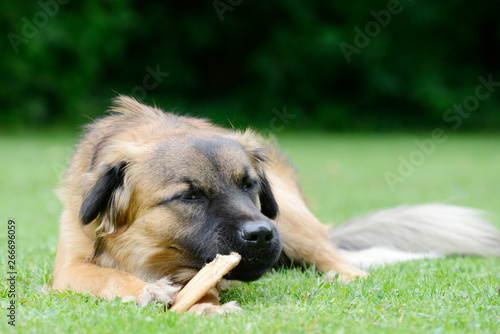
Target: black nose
[(257, 234)]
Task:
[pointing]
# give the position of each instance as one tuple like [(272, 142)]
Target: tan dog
[(150, 197)]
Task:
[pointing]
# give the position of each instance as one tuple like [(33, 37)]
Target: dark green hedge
[(331, 64)]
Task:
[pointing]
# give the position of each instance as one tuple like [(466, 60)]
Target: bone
[(204, 280)]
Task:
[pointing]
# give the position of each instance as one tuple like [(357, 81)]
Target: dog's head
[(172, 194)]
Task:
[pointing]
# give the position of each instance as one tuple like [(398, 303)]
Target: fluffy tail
[(412, 232)]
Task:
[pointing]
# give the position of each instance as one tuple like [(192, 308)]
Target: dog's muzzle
[(259, 244)]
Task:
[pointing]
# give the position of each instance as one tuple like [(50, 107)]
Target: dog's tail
[(412, 232)]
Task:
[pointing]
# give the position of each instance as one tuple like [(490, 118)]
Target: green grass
[(342, 176)]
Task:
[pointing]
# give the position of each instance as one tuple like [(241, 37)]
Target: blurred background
[(331, 65)]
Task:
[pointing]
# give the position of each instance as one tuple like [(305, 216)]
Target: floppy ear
[(268, 205), (101, 201), (253, 147)]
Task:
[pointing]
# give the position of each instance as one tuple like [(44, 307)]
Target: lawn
[(343, 176)]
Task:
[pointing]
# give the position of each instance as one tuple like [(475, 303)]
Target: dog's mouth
[(249, 270), (252, 268), (258, 243)]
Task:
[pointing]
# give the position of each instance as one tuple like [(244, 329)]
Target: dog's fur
[(150, 197)]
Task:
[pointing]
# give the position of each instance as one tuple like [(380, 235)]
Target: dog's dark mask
[(251, 234)]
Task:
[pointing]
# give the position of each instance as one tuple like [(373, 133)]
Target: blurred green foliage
[(61, 61)]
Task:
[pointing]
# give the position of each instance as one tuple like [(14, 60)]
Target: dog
[(150, 197)]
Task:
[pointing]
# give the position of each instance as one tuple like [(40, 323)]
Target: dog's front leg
[(110, 283)]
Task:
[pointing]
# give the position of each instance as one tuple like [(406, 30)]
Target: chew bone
[(204, 280)]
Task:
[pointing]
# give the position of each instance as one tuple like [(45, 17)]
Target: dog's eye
[(183, 197), (249, 184), (190, 197)]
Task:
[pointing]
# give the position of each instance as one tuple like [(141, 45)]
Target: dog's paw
[(210, 309), (346, 275), (162, 291)]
